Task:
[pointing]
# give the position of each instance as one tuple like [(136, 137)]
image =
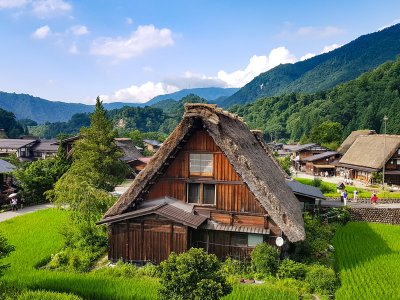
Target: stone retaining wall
[(378, 215), (368, 200)]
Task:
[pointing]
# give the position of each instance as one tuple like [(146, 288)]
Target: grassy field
[(36, 236), (329, 190), (368, 258)]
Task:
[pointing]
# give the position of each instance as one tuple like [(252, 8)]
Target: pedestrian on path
[(374, 198), (345, 198), (14, 204), (355, 197)]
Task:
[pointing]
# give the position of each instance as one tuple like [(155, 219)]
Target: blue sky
[(131, 51)]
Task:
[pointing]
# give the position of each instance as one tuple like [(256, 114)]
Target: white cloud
[(129, 21), (41, 32), (256, 66), (141, 93), (144, 38), (324, 32), (50, 8), (307, 56), (11, 4), (73, 49), (78, 30), (193, 80), (330, 48)]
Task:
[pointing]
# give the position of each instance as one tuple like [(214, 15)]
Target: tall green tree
[(95, 155), (96, 169)]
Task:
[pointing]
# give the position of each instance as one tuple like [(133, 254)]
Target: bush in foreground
[(193, 275), (321, 279), (264, 259), (291, 269)]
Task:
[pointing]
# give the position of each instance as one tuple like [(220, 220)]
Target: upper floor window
[(201, 164), (201, 193)]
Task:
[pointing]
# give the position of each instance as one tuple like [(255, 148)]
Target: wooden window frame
[(202, 174), (201, 194)]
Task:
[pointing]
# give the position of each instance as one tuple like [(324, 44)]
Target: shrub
[(45, 295), (192, 275), (149, 270), (120, 269), (232, 267), (264, 259), (291, 269), (321, 279)]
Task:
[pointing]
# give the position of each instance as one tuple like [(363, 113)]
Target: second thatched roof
[(371, 151)]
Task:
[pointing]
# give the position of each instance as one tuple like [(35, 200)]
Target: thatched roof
[(368, 151), (351, 138), (245, 153), (320, 156), (130, 151), (16, 143)]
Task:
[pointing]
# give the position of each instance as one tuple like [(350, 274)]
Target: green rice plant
[(45, 295), (261, 291), (36, 237), (368, 259)]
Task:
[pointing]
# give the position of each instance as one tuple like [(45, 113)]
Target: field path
[(26, 210)]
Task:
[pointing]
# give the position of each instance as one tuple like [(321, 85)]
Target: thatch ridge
[(351, 139), (245, 153)]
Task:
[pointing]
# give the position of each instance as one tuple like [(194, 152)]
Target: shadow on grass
[(357, 243)]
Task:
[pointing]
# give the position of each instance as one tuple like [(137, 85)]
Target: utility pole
[(385, 118)]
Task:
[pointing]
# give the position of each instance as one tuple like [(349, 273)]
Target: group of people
[(344, 197), (14, 203)]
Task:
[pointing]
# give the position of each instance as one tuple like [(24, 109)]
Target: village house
[(369, 154), (152, 145), (299, 152), (45, 149), (20, 147), (211, 185), (131, 154), (322, 164)]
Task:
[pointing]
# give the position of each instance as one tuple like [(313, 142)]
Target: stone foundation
[(377, 215)]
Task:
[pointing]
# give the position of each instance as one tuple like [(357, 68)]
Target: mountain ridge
[(323, 71)]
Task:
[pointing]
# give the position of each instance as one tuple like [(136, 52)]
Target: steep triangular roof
[(244, 152)]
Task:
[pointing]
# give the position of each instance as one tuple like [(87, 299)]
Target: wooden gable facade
[(210, 206)]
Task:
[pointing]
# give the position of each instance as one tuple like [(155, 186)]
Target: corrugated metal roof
[(5, 166), (46, 146), (164, 209), (303, 189), (152, 142), (210, 225), (320, 156), (15, 143)]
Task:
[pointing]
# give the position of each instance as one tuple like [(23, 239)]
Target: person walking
[(374, 198), (355, 197), (14, 204), (345, 198)]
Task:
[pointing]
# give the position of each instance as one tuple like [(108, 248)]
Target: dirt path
[(26, 210)]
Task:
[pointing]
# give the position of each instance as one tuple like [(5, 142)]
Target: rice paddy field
[(368, 259), (36, 237)]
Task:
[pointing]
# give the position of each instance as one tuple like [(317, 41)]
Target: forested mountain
[(211, 94), (324, 71), (357, 104), (40, 110)]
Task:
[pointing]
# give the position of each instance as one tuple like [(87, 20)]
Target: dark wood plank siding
[(232, 193), (148, 240)]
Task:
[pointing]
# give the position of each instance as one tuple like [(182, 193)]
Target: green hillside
[(357, 104), (324, 71)]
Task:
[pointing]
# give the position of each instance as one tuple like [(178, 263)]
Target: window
[(201, 193), (254, 240), (201, 164)]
